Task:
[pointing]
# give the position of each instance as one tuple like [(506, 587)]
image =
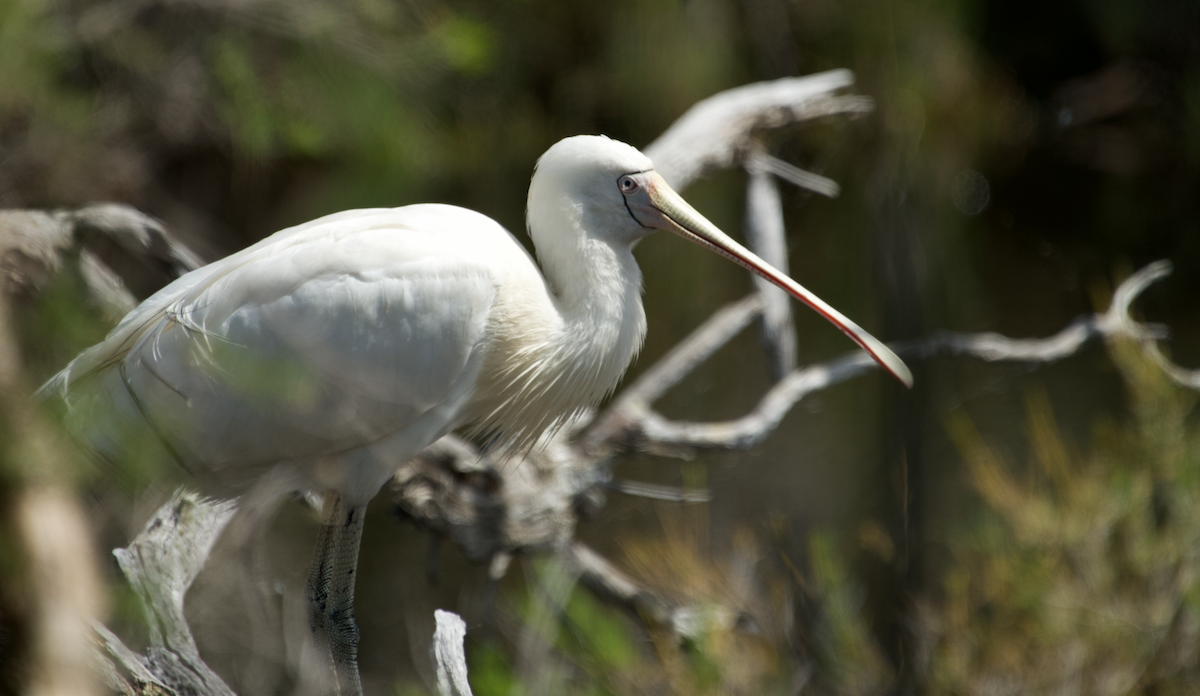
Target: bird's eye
[(628, 184)]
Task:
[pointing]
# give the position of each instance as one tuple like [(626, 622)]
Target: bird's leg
[(331, 592)]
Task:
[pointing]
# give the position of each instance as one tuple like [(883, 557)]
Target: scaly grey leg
[(331, 592)]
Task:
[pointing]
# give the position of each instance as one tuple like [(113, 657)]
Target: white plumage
[(330, 353)]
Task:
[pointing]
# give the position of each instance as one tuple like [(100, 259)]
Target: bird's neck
[(571, 355), (596, 287)]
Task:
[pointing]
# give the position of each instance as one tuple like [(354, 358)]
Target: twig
[(656, 492), (609, 583), (795, 175), (612, 585)]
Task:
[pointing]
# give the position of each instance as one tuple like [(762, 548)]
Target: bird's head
[(578, 182), (606, 191)]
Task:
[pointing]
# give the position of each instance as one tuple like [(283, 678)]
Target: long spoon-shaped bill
[(654, 203)]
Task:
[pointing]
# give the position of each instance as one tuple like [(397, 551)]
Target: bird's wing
[(137, 322), (316, 341)]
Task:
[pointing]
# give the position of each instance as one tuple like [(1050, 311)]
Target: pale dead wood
[(161, 564), (122, 253), (631, 419), (448, 655), (716, 133), (767, 236)]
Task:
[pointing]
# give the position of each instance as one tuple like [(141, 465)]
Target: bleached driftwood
[(448, 655), (116, 246), (718, 132), (161, 564)]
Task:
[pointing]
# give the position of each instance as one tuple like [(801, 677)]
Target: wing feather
[(321, 339)]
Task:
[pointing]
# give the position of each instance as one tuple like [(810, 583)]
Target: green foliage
[(847, 657), (31, 54), (58, 323), (1083, 570), (48, 124), (247, 109), (469, 45), (566, 641), (377, 103), (491, 672), (570, 644), (598, 636)]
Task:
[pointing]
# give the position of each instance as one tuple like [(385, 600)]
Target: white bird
[(330, 353)]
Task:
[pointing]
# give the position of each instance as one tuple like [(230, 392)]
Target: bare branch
[(144, 237), (642, 424), (656, 492), (50, 586), (754, 427), (767, 237), (715, 133), (161, 564), (32, 244), (448, 654), (609, 583), (129, 675), (798, 177), (124, 254), (615, 429), (1118, 313), (1181, 376)]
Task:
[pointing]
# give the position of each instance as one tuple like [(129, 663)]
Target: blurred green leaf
[(469, 45)]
